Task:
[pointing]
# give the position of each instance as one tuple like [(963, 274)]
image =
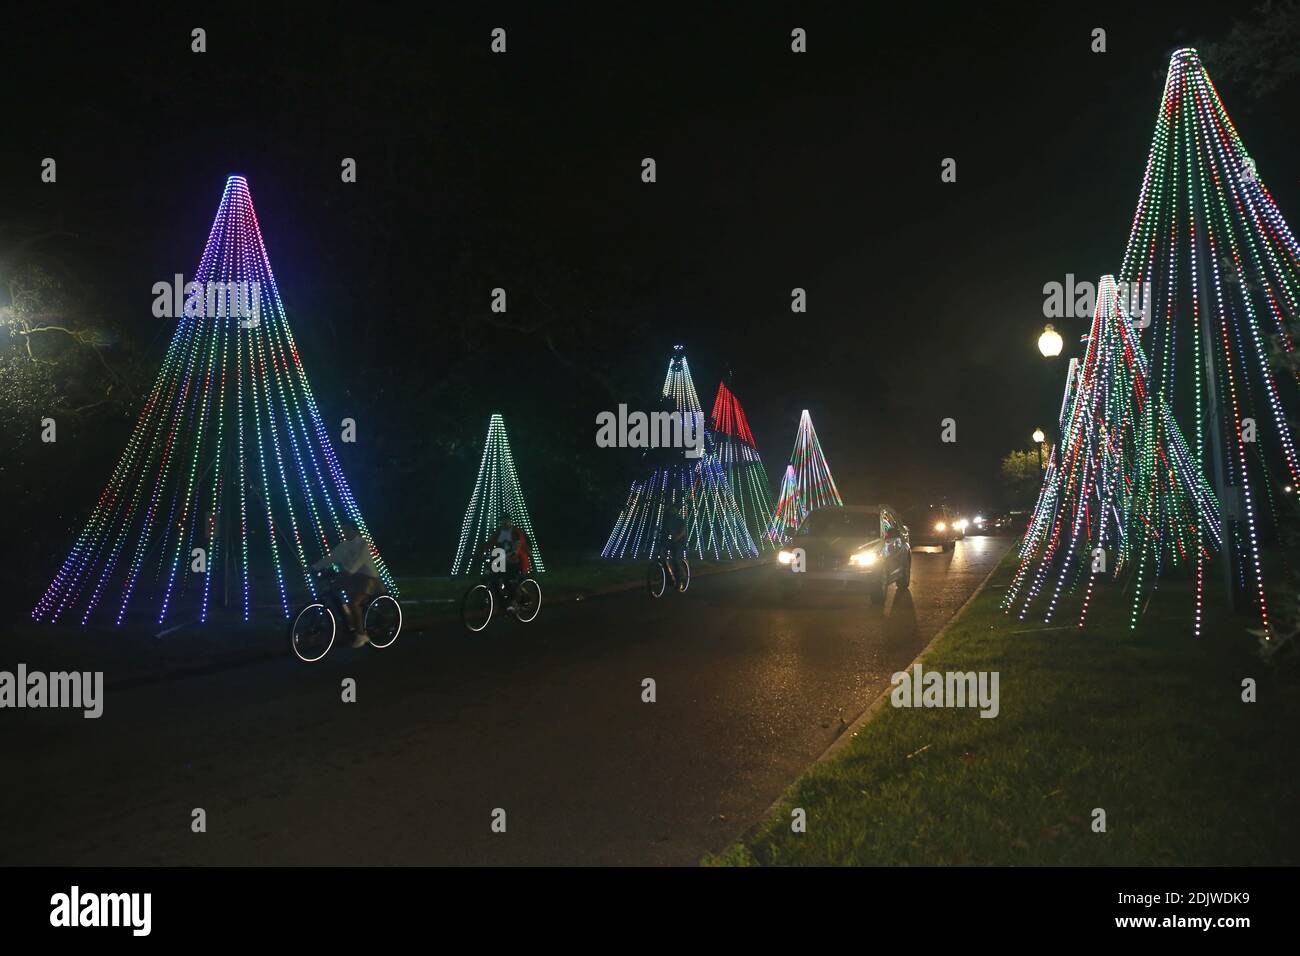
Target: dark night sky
[(775, 171)]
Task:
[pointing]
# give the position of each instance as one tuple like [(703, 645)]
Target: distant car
[(980, 524), (937, 525), (1010, 522), (862, 546)]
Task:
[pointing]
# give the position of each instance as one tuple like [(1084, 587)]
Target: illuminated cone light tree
[(1122, 493), (738, 452), (813, 485), (229, 487), (788, 515), (716, 527), (496, 492), (1223, 269)]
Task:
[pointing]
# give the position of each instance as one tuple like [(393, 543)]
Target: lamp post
[(1039, 438)]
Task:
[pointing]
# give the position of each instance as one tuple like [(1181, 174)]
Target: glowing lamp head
[(1050, 342), (786, 557), (940, 526), (1039, 436)]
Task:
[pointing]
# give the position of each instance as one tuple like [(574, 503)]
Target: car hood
[(838, 545)]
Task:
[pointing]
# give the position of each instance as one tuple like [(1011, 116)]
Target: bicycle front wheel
[(656, 580), (528, 600), (312, 633), (476, 609), (383, 621), (683, 575)]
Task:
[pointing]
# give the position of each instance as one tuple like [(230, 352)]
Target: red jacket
[(518, 551)]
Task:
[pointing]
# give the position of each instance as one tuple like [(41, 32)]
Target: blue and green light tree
[(229, 487)]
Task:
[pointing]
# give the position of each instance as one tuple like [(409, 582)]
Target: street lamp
[(1039, 438), (1049, 343)]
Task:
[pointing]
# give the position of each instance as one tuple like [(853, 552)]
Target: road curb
[(851, 731), (846, 736)]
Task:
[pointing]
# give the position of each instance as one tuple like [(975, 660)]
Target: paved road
[(543, 720)]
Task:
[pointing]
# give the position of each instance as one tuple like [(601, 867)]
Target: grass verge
[(1148, 725)]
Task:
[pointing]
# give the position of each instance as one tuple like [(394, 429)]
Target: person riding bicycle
[(510, 539), (358, 578), (672, 541)]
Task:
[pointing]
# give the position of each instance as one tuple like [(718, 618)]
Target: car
[(1010, 522), (937, 525), (851, 546)]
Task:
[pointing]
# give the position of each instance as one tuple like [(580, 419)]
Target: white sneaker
[(361, 639)]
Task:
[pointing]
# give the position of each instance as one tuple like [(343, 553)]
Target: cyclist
[(672, 541), (358, 577), (512, 540)]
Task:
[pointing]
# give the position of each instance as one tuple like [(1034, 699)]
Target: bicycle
[(662, 571), (480, 601), (315, 627)]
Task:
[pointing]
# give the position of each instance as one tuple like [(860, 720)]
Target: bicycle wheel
[(383, 621), (312, 633), (683, 575), (656, 580), (476, 609), (528, 599)]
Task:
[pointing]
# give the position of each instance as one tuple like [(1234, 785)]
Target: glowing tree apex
[(229, 487), (729, 417), (678, 383), (496, 492), (816, 486)]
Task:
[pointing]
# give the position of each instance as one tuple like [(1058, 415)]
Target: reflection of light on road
[(970, 556), (979, 551), (791, 644)]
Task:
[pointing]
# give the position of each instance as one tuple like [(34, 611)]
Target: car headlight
[(961, 525), (864, 559), (979, 519), (786, 557), (940, 527)]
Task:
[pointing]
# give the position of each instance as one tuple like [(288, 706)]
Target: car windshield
[(833, 522)]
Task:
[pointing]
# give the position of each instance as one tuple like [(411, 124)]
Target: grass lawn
[(1148, 725)]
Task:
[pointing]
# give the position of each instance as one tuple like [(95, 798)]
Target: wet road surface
[(544, 721)]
